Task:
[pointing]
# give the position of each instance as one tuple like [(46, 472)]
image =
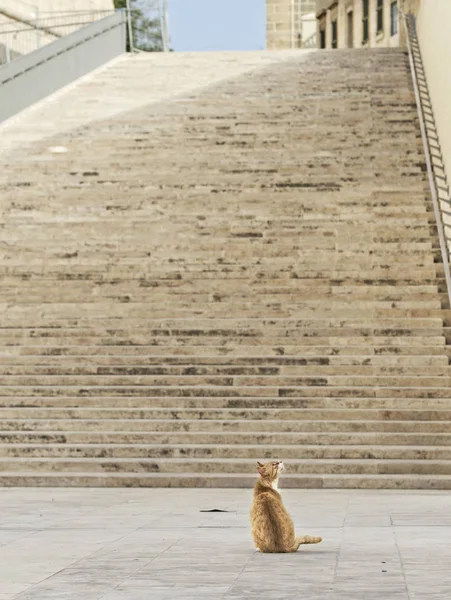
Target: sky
[(217, 24)]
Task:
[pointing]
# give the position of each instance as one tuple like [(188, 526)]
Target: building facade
[(358, 23), (290, 24)]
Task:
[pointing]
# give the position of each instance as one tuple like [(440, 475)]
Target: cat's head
[(270, 470)]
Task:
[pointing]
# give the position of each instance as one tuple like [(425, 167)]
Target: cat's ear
[(260, 464)]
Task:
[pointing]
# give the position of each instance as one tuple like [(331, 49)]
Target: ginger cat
[(272, 526)]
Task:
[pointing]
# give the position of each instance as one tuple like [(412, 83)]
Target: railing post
[(130, 28), (164, 24), (38, 30), (300, 25)]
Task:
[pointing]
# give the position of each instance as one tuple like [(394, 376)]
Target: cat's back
[(266, 501), (272, 527)]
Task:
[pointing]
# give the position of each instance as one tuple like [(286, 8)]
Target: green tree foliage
[(147, 34)]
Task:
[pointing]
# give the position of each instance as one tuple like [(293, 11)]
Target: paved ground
[(156, 544)]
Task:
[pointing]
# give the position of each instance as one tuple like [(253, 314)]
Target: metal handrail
[(310, 42), (20, 36), (431, 143), (56, 20)]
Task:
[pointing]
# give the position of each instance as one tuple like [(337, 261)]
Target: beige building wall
[(279, 34), (434, 33), (289, 23)]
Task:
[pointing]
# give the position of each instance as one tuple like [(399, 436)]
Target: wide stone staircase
[(248, 270)]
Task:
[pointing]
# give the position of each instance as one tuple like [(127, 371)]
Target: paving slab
[(159, 544)]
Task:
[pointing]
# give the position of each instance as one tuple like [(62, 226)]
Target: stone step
[(68, 361), (241, 384), (154, 385), (197, 395), (222, 426), (105, 373), (414, 400), (199, 345), (223, 466), (313, 232), (24, 313), (221, 480), (239, 323), (331, 246), (303, 274), (186, 285), (156, 452), (283, 325), (304, 210), (180, 298), (191, 353), (216, 309), (191, 333), (87, 267), (417, 222), (383, 244), (298, 415), (322, 438)]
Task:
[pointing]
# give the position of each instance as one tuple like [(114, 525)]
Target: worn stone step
[(52, 359), (297, 415), (366, 261), (225, 465), (220, 480), (385, 338), (204, 426), (207, 438), (104, 373), (411, 401), (230, 387), (240, 350), (17, 314), (150, 277), (227, 328), (377, 320), (220, 451), (240, 383), (314, 387)]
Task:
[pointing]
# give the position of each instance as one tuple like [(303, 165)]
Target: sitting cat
[(272, 526)]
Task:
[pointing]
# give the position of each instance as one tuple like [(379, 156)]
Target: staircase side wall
[(434, 22)]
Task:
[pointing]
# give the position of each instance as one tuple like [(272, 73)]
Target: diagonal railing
[(38, 74), (27, 32), (434, 160)]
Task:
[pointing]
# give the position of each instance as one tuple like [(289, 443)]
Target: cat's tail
[(308, 539)]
